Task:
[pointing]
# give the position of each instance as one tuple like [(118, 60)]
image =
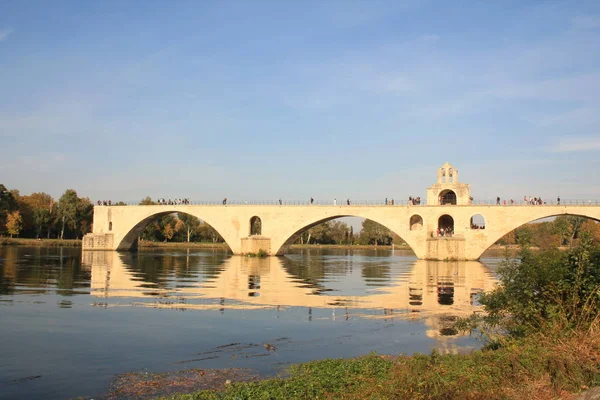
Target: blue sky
[(260, 100)]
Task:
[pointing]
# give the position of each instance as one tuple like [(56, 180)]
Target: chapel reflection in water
[(436, 292)]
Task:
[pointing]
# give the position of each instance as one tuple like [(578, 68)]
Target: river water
[(71, 321)]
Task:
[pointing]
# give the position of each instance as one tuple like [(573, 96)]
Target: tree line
[(40, 215), (338, 232), (564, 230)]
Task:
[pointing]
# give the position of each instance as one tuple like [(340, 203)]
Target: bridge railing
[(522, 202), (396, 203)]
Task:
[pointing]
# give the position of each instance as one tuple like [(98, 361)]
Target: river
[(70, 322)]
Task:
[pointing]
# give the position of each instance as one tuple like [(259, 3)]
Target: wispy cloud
[(4, 33), (576, 144)]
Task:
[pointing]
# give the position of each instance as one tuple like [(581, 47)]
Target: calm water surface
[(69, 322)]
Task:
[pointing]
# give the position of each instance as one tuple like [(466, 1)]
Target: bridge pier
[(254, 244), (447, 249), (98, 241)]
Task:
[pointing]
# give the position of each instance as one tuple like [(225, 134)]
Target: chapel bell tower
[(447, 190)]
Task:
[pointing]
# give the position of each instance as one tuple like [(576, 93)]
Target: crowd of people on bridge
[(411, 201), (174, 202), (447, 231), (415, 201), (532, 201)]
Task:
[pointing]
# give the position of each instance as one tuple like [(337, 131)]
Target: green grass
[(41, 242), (540, 367), (205, 245)]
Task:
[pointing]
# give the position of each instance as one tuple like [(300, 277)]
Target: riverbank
[(5, 241), (40, 242), (182, 245), (539, 367)]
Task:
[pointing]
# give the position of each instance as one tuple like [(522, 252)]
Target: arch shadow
[(292, 238), (130, 239)]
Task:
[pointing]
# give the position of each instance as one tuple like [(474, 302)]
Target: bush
[(550, 289)]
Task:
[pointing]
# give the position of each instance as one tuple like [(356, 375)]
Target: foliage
[(374, 233), (261, 254), (189, 224), (7, 204), (534, 368), (147, 201), (547, 290), (564, 230), (67, 210), (41, 205), (14, 223)]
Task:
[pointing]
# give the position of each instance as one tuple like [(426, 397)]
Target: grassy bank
[(40, 242), (539, 367), (347, 246), (185, 245)]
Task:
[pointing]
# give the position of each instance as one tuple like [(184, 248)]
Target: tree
[(190, 224), (321, 233), (41, 206), (338, 232), (14, 223), (374, 233), (67, 210), (147, 201), (208, 233), (7, 204), (546, 288), (85, 215), (593, 228), (168, 232)]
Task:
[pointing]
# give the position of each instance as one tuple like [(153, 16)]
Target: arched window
[(445, 225), (416, 223), (477, 222), (447, 197), (255, 226), (110, 226)]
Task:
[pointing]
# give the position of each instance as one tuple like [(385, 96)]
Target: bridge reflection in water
[(431, 291)]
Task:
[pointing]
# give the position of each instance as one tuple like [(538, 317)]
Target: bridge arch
[(294, 234), (494, 235), (130, 234)]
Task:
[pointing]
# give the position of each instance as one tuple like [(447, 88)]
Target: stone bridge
[(448, 208)]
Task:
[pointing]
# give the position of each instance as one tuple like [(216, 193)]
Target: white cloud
[(576, 144), (4, 33)]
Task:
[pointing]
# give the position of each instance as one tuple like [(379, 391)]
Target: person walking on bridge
[(334, 201), (558, 200), (312, 200)]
